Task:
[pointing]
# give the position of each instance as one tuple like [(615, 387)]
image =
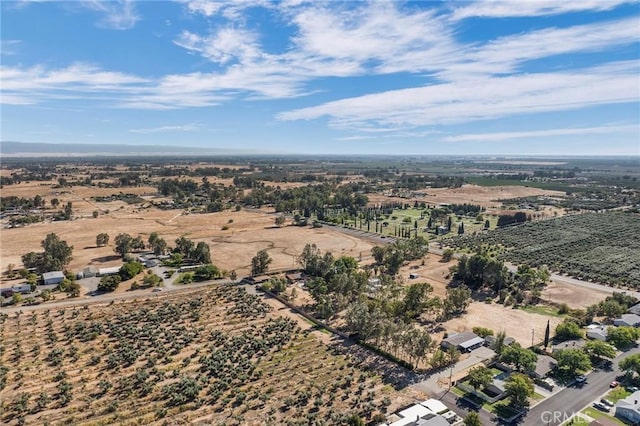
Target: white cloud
[(510, 8), (191, 127), (223, 46), (482, 98), (8, 47), (501, 136), (231, 9), (116, 14)]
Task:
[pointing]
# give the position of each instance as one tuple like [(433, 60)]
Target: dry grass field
[(484, 196), (232, 249), (212, 356)]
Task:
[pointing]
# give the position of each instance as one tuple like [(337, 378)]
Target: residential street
[(558, 408)]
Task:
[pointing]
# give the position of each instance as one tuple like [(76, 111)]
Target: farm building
[(465, 341), (294, 277), (22, 288), (629, 408), (112, 270), (597, 332), (88, 272), (53, 277), (628, 320)]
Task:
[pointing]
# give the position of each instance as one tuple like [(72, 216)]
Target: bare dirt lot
[(514, 322), (484, 196), (575, 297)]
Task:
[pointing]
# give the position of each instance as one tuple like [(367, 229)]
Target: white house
[(629, 408), (597, 332), (54, 277), (628, 320)]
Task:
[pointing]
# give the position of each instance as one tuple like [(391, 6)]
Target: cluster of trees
[(56, 255), (126, 272), (519, 387), (197, 253), (392, 256), (482, 271)]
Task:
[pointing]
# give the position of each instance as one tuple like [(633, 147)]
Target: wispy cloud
[(502, 136), (116, 14), (9, 47), (482, 98), (510, 8), (191, 127)]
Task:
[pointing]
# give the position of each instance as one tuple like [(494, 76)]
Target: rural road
[(109, 297)]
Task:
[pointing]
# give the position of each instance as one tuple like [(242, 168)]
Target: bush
[(130, 270), (109, 283), (482, 331)]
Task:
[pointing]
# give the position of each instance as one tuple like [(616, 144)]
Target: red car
[(613, 384)]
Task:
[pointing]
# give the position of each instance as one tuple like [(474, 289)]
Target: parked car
[(155, 290), (601, 406), (632, 389), (607, 402), (581, 379), (613, 384)]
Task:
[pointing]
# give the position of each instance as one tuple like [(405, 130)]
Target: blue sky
[(488, 77)]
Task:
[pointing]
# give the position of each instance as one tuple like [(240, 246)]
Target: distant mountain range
[(24, 149)]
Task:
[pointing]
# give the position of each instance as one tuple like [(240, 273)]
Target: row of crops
[(219, 356), (599, 247)]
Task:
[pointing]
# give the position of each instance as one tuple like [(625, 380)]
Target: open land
[(217, 355)]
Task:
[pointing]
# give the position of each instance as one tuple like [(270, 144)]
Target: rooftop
[(460, 339)]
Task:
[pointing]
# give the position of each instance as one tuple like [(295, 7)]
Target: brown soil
[(484, 196)]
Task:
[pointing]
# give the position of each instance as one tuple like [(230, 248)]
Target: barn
[(53, 277)]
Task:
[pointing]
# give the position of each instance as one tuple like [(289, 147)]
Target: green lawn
[(592, 412), (617, 394), (542, 310)]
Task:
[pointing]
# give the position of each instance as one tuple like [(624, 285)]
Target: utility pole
[(532, 334)]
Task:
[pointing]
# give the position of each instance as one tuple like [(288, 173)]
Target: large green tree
[(623, 337), (457, 301), (599, 349), (57, 254), (519, 388), (521, 358), (568, 330), (630, 364), (260, 263), (573, 361), (480, 377)]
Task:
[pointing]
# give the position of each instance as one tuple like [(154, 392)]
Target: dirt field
[(433, 271), (231, 249), (484, 196), (514, 322), (574, 297)]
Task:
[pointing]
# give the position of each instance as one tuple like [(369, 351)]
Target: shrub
[(109, 283)]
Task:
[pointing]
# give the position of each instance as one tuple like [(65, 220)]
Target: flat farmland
[(212, 356), (232, 249)]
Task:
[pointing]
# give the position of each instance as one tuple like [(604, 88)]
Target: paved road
[(557, 409)]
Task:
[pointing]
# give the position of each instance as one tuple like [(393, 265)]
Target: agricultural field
[(599, 247), (212, 356)]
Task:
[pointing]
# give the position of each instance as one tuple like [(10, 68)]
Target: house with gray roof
[(464, 342), (629, 408), (627, 320)]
